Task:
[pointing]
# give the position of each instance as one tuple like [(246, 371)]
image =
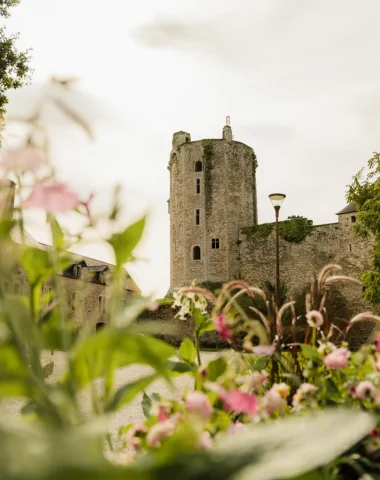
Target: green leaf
[(296, 445), (310, 352), (128, 392), (216, 368), (180, 367), (6, 227), (146, 405), (125, 242), (36, 264), (187, 351), (203, 322), (31, 451), (57, 234), (260, 363), (91, 358)]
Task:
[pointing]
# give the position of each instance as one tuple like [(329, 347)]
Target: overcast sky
[(300, 80)]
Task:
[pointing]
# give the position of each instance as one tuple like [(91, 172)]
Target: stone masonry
[(212, 194)]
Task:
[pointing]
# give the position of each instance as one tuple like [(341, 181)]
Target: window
[(196, 253), (6, 287), (215, 243), (102, 303), (79, 271), (353, 219), (198, 166), (198, 185), (16, 289), (197, 216)]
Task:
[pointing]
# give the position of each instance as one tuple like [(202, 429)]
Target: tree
[(14, 68), (365, 192)]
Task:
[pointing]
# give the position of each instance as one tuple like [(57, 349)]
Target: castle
[(214, 232)]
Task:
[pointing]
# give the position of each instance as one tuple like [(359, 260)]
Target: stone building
[(85, 282), (215, 236), (212, 195)]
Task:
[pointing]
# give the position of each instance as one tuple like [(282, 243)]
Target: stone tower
[(212, 195)]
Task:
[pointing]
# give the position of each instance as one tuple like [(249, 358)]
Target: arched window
[(197, 253), (198, 166), (353, 219)]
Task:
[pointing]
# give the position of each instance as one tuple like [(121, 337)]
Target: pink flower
[(134, 442), (377, 341), (314, 318), (198, 402), (364, 390), (25, 158), (264, 349), (221, 327), (240, 402), (337, 359), (55, 198), (205, 441), (303, 391), (273, 401), (161, 430), (163, 413)]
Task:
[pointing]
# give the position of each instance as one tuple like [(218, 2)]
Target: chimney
[(7, 198)]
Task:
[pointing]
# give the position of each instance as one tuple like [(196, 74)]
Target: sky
[(300, 81)]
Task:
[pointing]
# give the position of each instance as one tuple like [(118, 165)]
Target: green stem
[(197, 346)]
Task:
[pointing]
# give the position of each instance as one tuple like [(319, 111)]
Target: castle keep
[(212, 195), (214, 232)]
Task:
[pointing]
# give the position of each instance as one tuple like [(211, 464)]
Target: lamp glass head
[(277, 199)]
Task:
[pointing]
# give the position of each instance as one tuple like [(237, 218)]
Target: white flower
[(282, 389), (273, 401), (314, 318), (326, 348)]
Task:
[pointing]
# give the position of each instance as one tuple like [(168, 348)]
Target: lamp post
[(277, 200)]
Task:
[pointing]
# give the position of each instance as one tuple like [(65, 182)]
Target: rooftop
[(350, 208)]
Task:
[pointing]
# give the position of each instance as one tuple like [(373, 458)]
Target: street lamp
[(277, 200)]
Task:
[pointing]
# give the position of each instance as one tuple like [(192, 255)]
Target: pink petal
[(55, 198), (240, 402)]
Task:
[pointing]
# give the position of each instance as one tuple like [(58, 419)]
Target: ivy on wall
[(259, 231), (294, 229)]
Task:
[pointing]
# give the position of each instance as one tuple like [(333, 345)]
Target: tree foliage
[(365, 192), (14, 68)]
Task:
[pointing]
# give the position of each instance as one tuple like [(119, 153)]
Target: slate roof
[(350, 208)]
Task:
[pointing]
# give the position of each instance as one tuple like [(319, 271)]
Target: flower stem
[(197, 346)]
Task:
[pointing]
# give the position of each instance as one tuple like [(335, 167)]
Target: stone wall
[(173, 330), (299, 262), (81, 297), (226, 201)]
